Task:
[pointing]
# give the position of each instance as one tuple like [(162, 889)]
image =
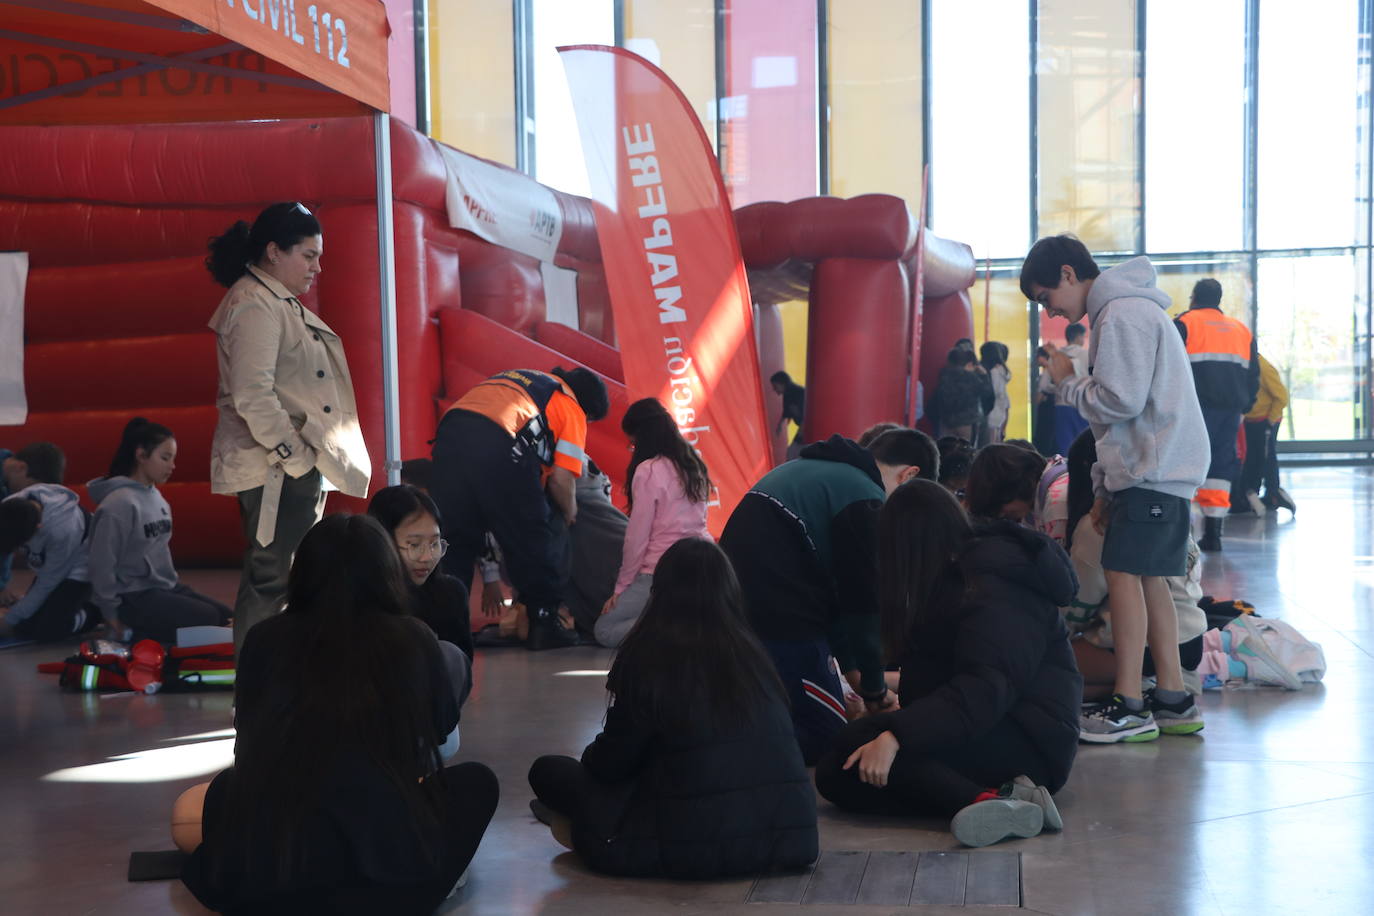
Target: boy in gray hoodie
[(47, 520), (1152, 454)]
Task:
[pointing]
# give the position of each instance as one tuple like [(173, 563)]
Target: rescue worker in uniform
[(1226, 373), (507, 456)]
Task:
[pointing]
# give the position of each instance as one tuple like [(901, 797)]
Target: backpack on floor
[(148, 667), (1302, 659)]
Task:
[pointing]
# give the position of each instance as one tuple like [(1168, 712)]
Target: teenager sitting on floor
[(440, 600), (133, 581), (988, 724), (337, 802), (696, 773)]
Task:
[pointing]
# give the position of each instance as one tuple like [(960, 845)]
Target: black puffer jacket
[(700, 806), (996, 648)]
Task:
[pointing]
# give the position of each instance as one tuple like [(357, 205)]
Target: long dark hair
[(994, 353), (1080, 460), (1000, 474), (286, 223), (139, 435), (920, 531), (354, 692), (692, 661), (651, 427)]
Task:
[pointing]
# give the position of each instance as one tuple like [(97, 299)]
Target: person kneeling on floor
[(49, 523), (988, 724), (696, 773)]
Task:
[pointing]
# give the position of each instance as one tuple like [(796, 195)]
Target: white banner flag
[(14, 273), (504, 207)]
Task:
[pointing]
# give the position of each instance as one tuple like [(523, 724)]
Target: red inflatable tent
[(163, 61)]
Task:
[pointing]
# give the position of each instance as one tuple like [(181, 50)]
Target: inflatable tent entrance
[(137, 61)]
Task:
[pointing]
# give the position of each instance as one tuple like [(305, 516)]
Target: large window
[(1309, 121), (1086, 122), (1307, 332), (769, 135), (980, 117), (550, 120), (1195, 125)]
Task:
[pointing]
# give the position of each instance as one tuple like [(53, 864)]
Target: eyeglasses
[(301, 207), (420, 551)]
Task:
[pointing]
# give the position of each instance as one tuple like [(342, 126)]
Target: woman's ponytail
[(229, 256), (286, 223)]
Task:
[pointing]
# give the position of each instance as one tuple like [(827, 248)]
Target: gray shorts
[(1147, 533)]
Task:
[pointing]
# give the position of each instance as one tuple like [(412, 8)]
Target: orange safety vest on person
[(1225, 362), (539, 412)]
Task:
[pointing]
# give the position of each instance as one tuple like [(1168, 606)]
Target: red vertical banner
[(673, 266)]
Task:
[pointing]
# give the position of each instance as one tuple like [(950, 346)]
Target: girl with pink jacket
[(668, 487)]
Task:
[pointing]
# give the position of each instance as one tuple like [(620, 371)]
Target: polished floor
[(1269, 810)]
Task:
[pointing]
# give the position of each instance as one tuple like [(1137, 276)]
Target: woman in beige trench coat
[(288, 425)]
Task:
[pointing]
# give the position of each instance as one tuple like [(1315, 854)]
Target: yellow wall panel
[(1006, 318), (681, 39), (472, 77), (874, 58)]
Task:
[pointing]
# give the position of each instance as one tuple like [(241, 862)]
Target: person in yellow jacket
[(1261, 461), (288, 422), (1225, 366)]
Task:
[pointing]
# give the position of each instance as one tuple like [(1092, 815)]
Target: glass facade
[(1195, 125), (980, 155), (1227, 139)]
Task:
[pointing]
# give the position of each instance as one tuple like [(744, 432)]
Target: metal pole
[(386, 276)]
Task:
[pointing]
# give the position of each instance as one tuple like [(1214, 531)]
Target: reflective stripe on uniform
[(570, 449), (1214, 497), (1242, 361)]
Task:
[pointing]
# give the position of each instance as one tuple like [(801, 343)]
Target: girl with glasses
[(440, 600)]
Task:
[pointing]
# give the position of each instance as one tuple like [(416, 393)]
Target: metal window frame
[(522, 22)]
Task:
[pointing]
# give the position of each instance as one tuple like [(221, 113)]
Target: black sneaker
[(1181, 718), (1113, 722)]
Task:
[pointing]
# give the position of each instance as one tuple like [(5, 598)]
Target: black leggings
[(564, 784), (157, 613), (934, 785), (61, 613)]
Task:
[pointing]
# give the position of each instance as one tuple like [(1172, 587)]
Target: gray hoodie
[(129, 541), (1139, 396), (57, 550)]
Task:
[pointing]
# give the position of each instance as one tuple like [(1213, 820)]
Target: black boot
[(1282, 500), (547, 632), (1211, 534)]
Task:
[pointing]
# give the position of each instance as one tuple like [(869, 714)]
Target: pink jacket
[(662, 516)]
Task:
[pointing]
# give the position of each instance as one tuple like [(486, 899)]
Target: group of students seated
[(113, 567), (969, 581), (347, 704)]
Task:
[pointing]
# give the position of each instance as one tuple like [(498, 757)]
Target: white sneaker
[(1256, 504)]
